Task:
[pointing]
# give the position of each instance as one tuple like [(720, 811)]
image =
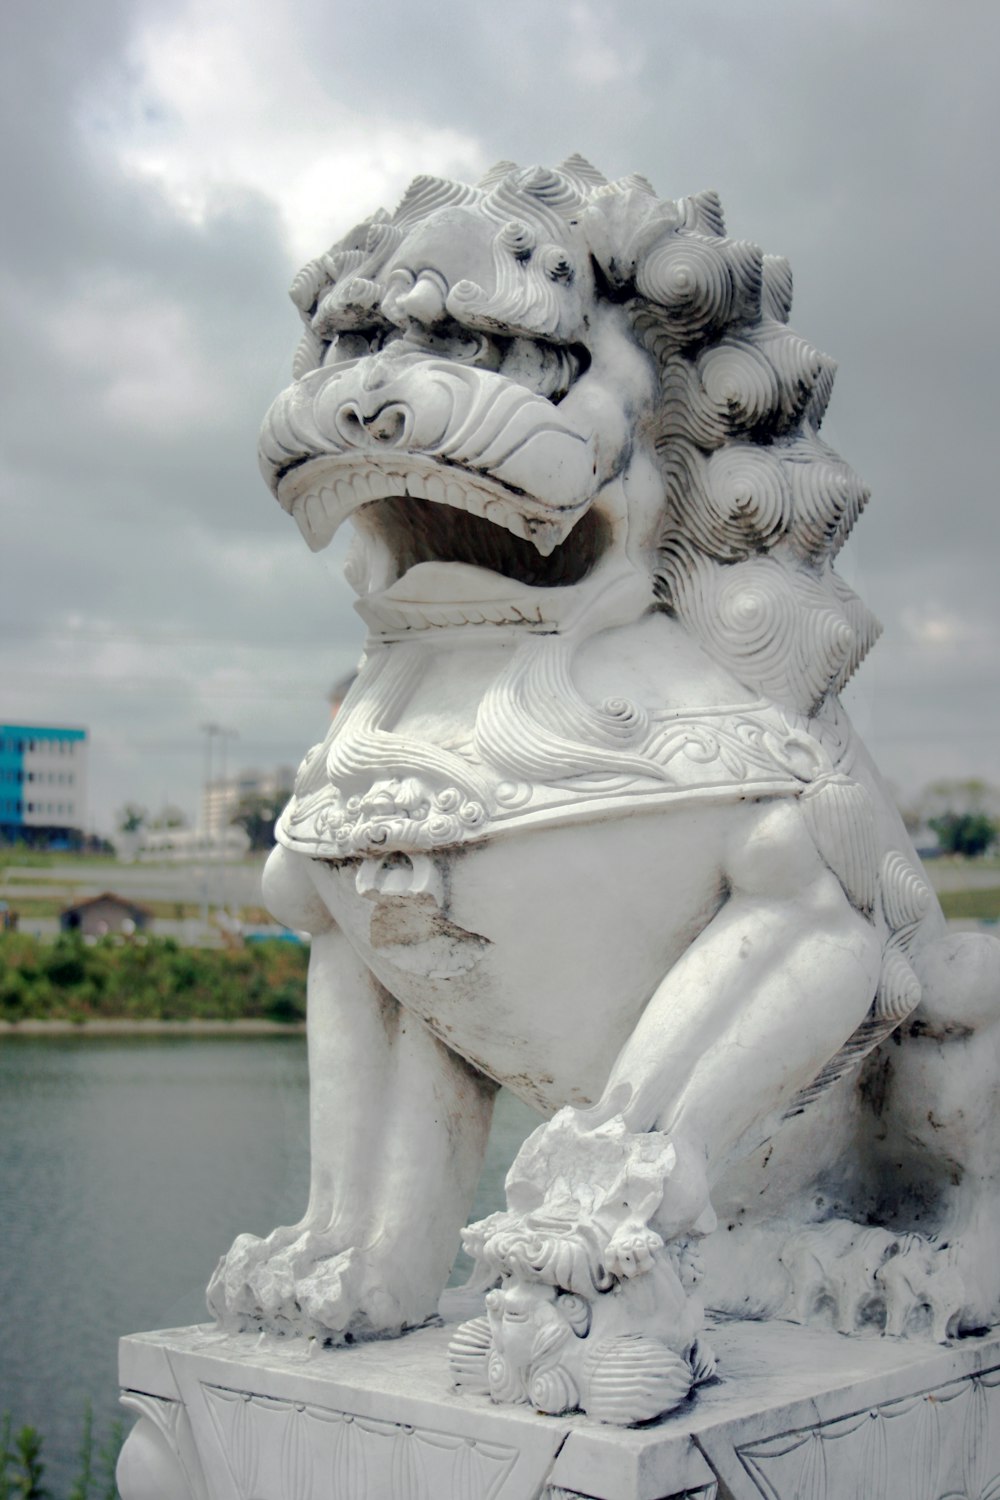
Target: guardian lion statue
[(593, 825)]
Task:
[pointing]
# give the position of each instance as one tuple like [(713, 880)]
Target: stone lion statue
[(593, 825)]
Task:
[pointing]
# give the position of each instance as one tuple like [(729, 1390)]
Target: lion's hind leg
[(938, 1114)]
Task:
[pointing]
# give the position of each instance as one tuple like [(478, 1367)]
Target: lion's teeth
[(416, 486), (361, 479), (499, 513), (436, 489), (544, 537), (457, 496), (315, 515)]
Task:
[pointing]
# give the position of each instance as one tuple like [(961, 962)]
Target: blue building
[(43, 784)]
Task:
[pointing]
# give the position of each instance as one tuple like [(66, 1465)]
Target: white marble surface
[(592, 824), (796, 1414)]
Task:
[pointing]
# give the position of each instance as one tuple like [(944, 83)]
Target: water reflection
[(127, 1166)]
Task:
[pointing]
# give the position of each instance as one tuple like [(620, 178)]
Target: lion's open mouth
[(437, 544), (419, 531)]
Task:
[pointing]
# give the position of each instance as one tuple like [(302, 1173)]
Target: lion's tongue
[(451, 583)]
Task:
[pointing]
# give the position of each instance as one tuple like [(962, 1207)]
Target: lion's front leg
[(604, 1203), (398, 1129), (773, 987)]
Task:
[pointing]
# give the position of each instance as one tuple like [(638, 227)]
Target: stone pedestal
[(797, 1414)]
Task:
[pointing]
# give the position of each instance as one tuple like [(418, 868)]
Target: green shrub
[(65, 962), (22, 1468), (154, 979)]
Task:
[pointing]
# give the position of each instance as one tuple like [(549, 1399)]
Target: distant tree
[(131, 818), (169, 817), (964, 813), (970, 795), (966, 833), (256, 813)]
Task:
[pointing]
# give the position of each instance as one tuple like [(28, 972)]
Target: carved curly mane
[(758, 505)]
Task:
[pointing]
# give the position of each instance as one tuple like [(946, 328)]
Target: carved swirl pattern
[(541, 193), (798, 369), (277, 1449), (898, 988), (906, 896), (778, 627), (747, 496), (906, 899), (425, 194), (776, 289), (691, 283), (735, 502), (739, 387), (829, 497)]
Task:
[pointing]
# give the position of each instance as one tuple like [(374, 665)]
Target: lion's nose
[(387, 426), (423, 303)]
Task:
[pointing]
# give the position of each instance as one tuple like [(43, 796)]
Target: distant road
[(142, 882), (123, 1027), (962, 875)]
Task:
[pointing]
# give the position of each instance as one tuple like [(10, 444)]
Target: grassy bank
[(982, 905), (154, 980)]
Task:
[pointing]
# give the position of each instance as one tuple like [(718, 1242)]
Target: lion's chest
[(534, 955)]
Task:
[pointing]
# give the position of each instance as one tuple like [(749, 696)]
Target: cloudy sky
[(170, 165)]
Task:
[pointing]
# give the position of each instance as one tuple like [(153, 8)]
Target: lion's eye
[(348, 346), (352, 304), (549, 370)]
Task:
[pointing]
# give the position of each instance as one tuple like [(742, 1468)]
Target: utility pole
[(225, 734), (209, 731)]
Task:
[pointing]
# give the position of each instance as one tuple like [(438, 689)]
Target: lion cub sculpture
[(593, 825)]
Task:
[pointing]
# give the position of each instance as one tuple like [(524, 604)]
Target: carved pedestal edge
[(240, 1419)]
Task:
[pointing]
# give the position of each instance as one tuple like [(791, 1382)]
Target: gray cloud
[(149, 581)]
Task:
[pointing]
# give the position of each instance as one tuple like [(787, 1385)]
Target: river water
[(127, 1166)]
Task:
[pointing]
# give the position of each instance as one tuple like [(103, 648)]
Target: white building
[(221, 798)]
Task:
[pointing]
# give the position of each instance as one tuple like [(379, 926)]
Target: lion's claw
[(631, 1250)]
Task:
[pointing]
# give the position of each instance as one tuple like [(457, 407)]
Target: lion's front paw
[(254, 1284), (228, 1294), (631, 1250), (308, 1281), (348, 1297)]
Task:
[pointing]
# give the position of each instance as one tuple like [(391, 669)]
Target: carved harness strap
[(727, 754)]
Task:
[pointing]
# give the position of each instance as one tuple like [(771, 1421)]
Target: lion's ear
[(621, 222)]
